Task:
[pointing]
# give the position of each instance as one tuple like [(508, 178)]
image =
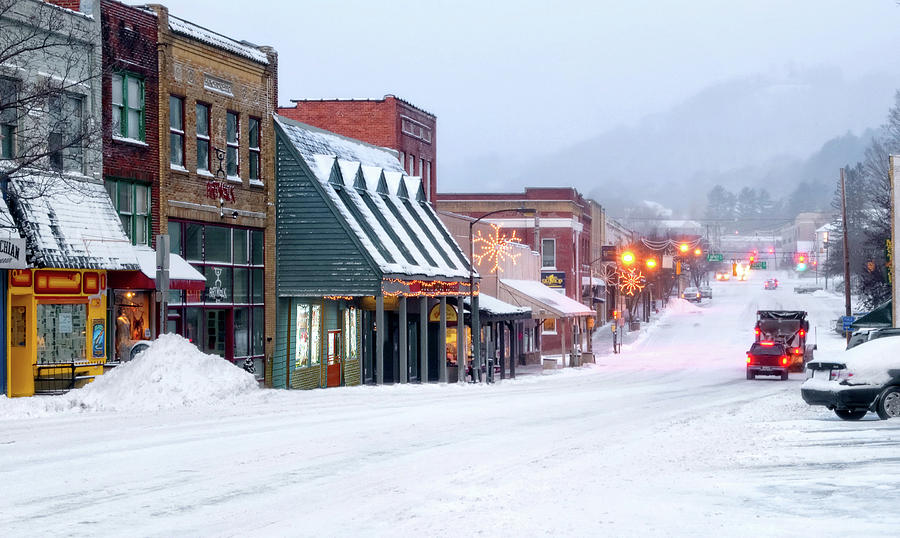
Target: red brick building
[(131, 117), (560, 232), (390, 122)]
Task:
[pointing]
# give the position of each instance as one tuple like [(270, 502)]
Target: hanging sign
[(554, 279), (12, 253)]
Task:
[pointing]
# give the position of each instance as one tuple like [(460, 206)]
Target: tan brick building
[(217, 186)]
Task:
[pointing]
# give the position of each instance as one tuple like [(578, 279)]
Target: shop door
[(215, 332), (333, 359)]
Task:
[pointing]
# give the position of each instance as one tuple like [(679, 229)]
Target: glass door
[(333, 358)]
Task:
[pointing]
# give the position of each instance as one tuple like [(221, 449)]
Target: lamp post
[(473, 305)]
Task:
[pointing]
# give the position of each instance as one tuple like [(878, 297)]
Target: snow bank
[(822, 293), (171, 373), (679, 305)]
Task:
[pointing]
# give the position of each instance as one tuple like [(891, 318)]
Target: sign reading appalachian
[(12, 253)]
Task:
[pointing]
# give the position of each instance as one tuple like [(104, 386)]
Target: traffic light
[(752, 258), (771, 250), (802, 258)]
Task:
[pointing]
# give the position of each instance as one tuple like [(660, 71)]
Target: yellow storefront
[(56, 328)]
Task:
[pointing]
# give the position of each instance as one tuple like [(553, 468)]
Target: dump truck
[(787, 327)]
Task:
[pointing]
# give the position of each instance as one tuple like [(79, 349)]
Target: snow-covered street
[(667, 438)]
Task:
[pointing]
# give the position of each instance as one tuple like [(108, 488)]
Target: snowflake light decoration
[(496, 248), (631, 281)]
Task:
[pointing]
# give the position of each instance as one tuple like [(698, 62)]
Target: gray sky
[(519, 79)]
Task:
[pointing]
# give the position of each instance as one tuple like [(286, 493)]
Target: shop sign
[(12, 253), (217, 190), (217, 292), (435, 314), (554, 279), (98, 338)]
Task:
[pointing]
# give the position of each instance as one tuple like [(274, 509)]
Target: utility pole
[(846, 251)]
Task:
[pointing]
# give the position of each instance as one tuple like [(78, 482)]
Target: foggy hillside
[(762, 131)]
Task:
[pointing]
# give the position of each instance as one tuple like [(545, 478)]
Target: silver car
[(706, 292)]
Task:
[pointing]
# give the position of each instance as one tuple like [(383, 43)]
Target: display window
[(226, 318), (308, 336), (61, 333), (132, 322), (351, 324)]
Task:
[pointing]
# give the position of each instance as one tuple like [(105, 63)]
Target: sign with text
[(758, 265), (715, 257), (12, 253), (554, 279)]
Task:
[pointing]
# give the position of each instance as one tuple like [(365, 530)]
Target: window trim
[(175, 131), (123, 114), (9, 130), (236, 145), (133, 185), (255, 151), (64, 147), (207, 137), (544, 266)]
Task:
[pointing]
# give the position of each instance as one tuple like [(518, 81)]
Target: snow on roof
[(69, 222), (403, 236), (495, 307), (179, 269), (544, 300), (189, 29)]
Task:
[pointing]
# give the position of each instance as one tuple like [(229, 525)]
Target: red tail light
[(767, 344), (749, 356), (784, 360), (756, 331), (797, 351), (802, 333)]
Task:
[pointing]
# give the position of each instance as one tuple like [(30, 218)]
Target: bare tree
[(50, 79)]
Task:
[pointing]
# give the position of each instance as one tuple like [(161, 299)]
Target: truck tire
[(888, 403), (784, 375), (850, 414), (750, 375)]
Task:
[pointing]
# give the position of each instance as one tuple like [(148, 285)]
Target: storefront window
[(216, 328), (301, 359), (61, 333), (241, 285), (175, 237), (550, 326), (240, 247), (193, 242), (218, 284), (256, 337), (351, 324), (241, 332), (314, 348), (256, 242), (258, 285), (218, 244), (192, 325), (132, 323)]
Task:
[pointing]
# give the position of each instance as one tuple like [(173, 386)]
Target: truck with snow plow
[(785, 330)]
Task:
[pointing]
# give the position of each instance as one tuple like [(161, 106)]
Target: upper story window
[(132, 201), (176, 131), (548, 252), (232, 140), (203, 156), (128, 106), (254, 144), (8, 118), (66, 140)]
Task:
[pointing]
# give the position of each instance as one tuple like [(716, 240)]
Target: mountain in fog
[(763, 131)]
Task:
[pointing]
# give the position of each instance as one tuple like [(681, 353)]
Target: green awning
[(877, 318)]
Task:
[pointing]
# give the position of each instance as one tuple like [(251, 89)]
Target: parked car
[(768, 358), (864, 335), (723, 275), (771, 284), (691, 294), (865, 378), (705, 292)]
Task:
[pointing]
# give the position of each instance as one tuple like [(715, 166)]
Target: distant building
[(389, 122)]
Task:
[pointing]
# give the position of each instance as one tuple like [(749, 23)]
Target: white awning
[(545, 302), (592, 281), (181, 273), (495, 307)]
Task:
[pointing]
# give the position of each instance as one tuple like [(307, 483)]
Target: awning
[(881, 316), (492, 308), (592, 281), (544, 302), (69, 222), (182, 275)]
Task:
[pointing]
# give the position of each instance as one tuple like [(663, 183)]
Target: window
[(411, 164), (351, 329), (65, 141), (232, 139), (254, 149), (176, 131), (548, 252), (203, 157), (309, 320), (132, 201), (549, 326), (128, 106), (8, 119)]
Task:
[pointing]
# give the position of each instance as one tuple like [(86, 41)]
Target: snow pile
[(171, 373), (681, 306), (822, 293)]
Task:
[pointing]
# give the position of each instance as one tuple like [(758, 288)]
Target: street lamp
[(475, 322)]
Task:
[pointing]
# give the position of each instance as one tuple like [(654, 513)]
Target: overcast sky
[(521, 78)]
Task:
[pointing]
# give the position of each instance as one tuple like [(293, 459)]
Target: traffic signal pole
[(846, 241)]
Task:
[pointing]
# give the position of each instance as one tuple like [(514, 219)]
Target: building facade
[(217, 186), (389, 122), (560, 231)]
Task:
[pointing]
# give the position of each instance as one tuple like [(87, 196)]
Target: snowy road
[(667, 438)]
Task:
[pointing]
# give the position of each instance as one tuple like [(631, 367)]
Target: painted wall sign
[(435, 314), (217, 85), (216, 190), (12, 253), (553, 279)]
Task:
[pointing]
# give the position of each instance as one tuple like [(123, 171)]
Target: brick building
[(217, 185), (390, 122), (560, 232)]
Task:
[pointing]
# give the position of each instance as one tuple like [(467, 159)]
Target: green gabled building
[(364, 268)]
